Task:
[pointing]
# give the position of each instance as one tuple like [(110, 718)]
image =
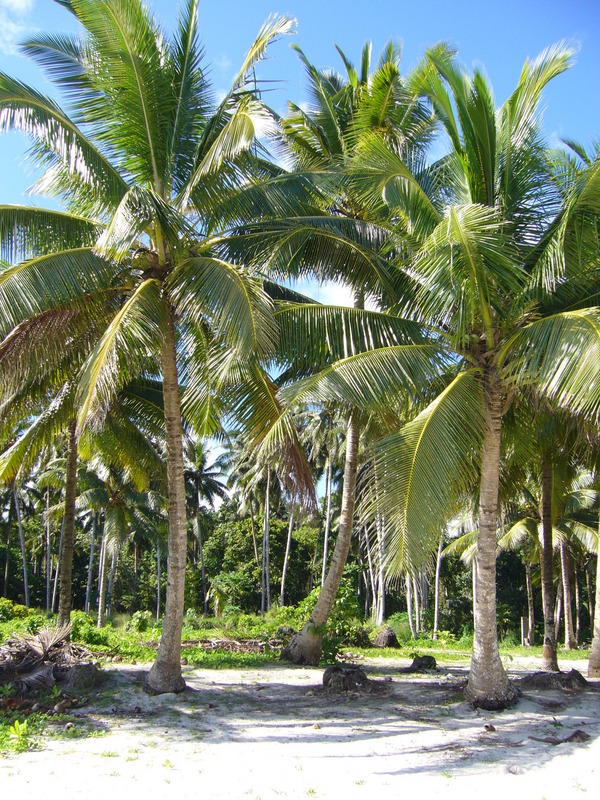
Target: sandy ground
[(273, 733)]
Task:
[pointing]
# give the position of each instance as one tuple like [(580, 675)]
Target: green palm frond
[(41, 433), (421, 471), (58, 141), (560, 357), (131, 337), (58, 279), (372, 380), (230, 299), (26, 232)]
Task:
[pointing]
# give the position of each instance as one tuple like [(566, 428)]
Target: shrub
[(6, 609), (140, 621), (83, 629)]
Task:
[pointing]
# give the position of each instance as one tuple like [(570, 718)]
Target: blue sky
[(497, 36)]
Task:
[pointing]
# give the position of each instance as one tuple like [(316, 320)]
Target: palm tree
[(140, 163), (487, 241)]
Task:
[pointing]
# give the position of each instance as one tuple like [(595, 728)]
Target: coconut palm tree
[(141, 160), (491, 244)]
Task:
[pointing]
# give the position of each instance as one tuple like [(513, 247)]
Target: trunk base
[(495, 700), (593, 670), (305, 647), (549, 658), (163, 679)]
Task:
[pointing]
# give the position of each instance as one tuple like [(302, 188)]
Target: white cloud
[(20, 7), (15, 24)]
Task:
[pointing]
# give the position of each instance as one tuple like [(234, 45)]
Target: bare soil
[(274, 732)]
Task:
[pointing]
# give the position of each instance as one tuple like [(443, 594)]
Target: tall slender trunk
[(102, 580), (202, 569), (558, 608), (530, 612), (380, 572), (253, 528), (287, 556), (111, 580), (48, 551), (371, 575), (488, 686), (417, 598), (58, 562), (305, 647), (327, 520), (165, 674), (409, 606), (6, 563), (158, 581), (265, 578), (594, 664), (88, 588), (65, 597), (23, 548), (590, 594), (570, 643), (436, 608), (577, 606), (549, 656)]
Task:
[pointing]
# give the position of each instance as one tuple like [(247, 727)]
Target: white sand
[(271, 733)]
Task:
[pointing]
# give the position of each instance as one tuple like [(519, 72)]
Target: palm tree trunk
[(23, 549), (102, 581), (549, 656), (6, 563), (380, 573), (409, 607), (165, 674), (158, 577), (202, 569), (48, 551), (305, 647), (327, 520), (436, 609), (530, 618), (570, 643), (58, 560), (287, 556), (588, 583), (558, 609), (65, 597), (267, 536), (252, 525), (88, 588), (488, 686), (111, 580), (577, 606), (371, 575), (417, 605), (594, 663)]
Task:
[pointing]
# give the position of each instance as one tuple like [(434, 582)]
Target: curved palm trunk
[(65, 597), (48, 552), (594, 664), (305, 647), (165, 674), (488, 686), (286, 558), (327, 519), (549, 657)]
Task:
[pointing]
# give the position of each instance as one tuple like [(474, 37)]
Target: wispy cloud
[(15, 23)]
